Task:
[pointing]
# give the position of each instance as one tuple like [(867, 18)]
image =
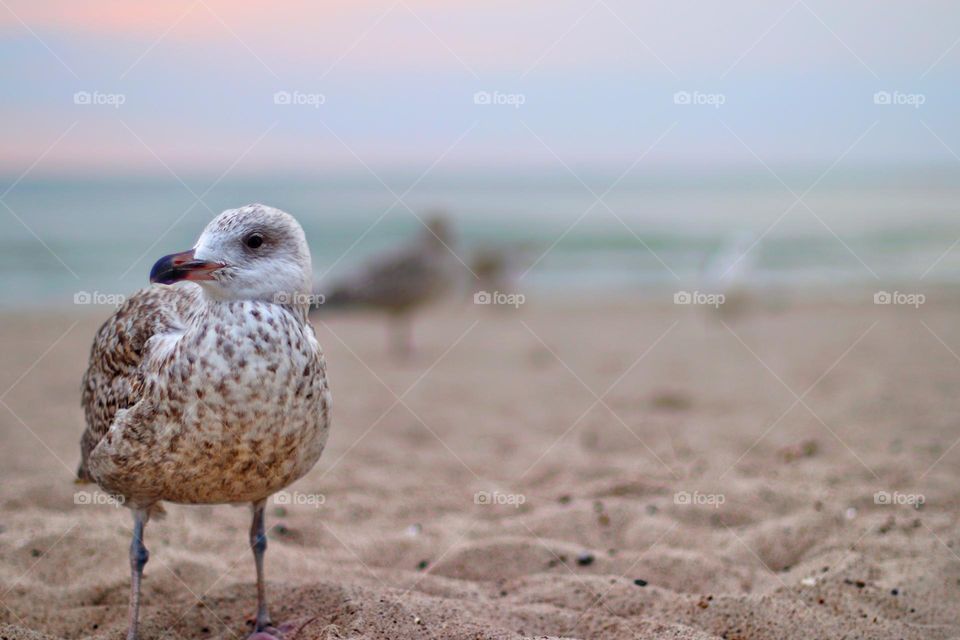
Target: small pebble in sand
[(850, 513), (651, 509), (809, 582), (894, 592), (671, 401), (414, 530), (585, 559), (564, 499), (640, 582), (796, 451), (36, 553), (423, 564)]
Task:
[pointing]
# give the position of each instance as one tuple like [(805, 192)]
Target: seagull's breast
[(236, 407), (257, 373)]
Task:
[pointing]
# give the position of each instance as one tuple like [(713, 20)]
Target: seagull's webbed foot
[(286, 631)]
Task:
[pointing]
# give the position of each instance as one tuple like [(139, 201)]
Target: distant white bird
[(210, 391), (730, 271), (730, 266), (402, 281)]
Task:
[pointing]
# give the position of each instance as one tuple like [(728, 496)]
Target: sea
[(566, 233)]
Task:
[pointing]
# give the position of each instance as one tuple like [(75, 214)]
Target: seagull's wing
[(114, 378)]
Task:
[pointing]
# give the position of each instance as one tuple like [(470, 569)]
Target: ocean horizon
[(651, 232)]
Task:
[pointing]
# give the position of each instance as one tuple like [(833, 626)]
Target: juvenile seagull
[(401, 281), (213, 390)]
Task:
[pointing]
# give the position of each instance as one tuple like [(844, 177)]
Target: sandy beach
[(568, 469)]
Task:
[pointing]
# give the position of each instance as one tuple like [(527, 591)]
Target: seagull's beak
[(182, 266)]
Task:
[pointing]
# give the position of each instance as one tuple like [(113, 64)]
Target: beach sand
[(569, 469)]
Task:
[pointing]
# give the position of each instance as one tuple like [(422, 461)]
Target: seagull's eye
[(254, 240)]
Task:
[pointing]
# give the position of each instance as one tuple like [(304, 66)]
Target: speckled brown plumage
[(209, 387), (195, 399)]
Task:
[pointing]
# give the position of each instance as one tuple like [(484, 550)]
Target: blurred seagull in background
[(401, 282), (496, 266)]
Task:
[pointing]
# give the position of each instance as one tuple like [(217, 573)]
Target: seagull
[(402, 281), (209, 387), (731, 271)]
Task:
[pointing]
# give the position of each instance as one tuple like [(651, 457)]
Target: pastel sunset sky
[(393, 84)]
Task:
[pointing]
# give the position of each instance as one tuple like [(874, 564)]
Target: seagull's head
[(251, 253)]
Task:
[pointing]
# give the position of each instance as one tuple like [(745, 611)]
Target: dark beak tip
[(163, 271), (175, 267)]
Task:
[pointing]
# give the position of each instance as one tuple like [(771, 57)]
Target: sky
[(112, 87)]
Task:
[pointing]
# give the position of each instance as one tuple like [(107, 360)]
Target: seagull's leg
[(138, 558), (258, 542), (402, 335)]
